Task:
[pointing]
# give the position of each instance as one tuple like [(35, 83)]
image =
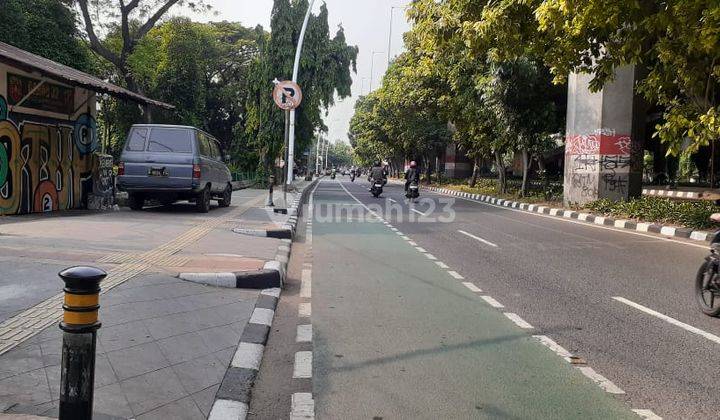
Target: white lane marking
[(394, 229), (305, 310), (441, 264), (399, 233), (306, 284), (412, 243), (492, 302), (302, 406), (391, 200), (419, 212), (262, 316), (602, 381), (303, 364), (472, 287), (518, 321), (590, 225), (647, 414), (477, 238), (228, 409), (455, 274), (430, 256), (248, 355), (712, 337), (420, 249), (304, 333), (405, 237), (555, 347)]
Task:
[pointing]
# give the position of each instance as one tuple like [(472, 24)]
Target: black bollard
[(80, 324)]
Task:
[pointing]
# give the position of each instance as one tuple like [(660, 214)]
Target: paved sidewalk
[(162, 352)]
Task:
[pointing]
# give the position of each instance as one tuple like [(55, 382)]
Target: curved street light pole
[(291, 142)]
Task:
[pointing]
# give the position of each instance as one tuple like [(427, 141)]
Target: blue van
[(168, 163)]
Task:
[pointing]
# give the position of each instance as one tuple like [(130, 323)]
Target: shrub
[(692, 214)]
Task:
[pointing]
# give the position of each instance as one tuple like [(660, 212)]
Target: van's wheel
[(136, 201), (202, 202), (226, 198)]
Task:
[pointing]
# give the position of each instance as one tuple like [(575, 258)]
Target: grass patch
[(692, 214)]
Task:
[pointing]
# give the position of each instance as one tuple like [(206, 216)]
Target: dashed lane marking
[(304, 333), (302, 406), (430, 257), (303, 365), (442, 264), (555, 347), (419, 212), (306, 284), (477, 238), (405, 237), (647, 414), (518, 321), (600, 380), (420, 249), (455, 274), (712, 337), (305, 310), (472, 287), (492, 302), (412, 243)]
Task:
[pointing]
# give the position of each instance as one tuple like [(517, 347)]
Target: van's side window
[(136, 142), (215, 149), (204, 142)]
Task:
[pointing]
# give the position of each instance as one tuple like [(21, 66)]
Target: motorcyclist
[(377, 174), (412, 175)]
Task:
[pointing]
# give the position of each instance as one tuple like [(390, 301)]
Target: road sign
[(287, 95)]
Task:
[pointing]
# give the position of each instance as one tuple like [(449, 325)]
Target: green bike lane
[(395, 336)]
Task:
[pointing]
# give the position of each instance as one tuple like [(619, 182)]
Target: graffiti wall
[(43, 161)]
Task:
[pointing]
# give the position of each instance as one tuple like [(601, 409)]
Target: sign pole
[(286, 156), (296, 65)]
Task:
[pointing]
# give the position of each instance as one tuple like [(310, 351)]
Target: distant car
[(168, 163)]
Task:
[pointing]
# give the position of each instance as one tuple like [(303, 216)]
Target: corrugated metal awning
[(34, 63)]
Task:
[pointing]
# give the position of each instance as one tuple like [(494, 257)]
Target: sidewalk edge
[(589, 218)]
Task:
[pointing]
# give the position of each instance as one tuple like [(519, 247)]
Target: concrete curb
[(283, 232), (233, 397), (677, 232)]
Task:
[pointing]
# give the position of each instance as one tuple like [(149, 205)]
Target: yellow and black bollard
[(80, 324)]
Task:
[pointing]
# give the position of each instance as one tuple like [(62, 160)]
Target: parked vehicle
[(707, 280), (376, 189), (168, 163)]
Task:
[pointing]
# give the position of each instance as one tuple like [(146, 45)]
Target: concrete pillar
[(604, 138)]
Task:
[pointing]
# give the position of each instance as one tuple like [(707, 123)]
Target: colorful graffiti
[(43, 165)]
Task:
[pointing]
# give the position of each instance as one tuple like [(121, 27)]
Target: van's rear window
[(137, 139), (173, 140)]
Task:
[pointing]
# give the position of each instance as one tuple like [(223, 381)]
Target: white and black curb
[(273, 272), (233, 397), (283, 232), (685, 233)]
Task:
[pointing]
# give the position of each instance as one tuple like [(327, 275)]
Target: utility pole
[(327, 147), (291, 144), (318, 145), (372, 67), (392, 9)]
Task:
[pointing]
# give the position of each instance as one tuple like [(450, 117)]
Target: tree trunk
[(476, 171), (525, 164), (502, 183), (428, 170)]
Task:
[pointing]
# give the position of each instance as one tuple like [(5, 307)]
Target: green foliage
[(46, 28), (325, 66), (693, 214), (340, 154)]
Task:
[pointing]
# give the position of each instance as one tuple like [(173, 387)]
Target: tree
[(136, 19), (324, 72), (46, 28)]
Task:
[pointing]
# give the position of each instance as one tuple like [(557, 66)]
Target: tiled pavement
[(162, 352)]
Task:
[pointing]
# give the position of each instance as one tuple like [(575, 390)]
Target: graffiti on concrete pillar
[(597, 165), (42, 163)]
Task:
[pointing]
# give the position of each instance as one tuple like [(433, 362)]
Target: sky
[(366, 24)]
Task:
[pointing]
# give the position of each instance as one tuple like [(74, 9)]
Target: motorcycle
[(332, 175), (412, 192), (376, 189), (707, 281), (352, 176)]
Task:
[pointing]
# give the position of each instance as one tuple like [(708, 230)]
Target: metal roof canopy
[(28, 61)]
